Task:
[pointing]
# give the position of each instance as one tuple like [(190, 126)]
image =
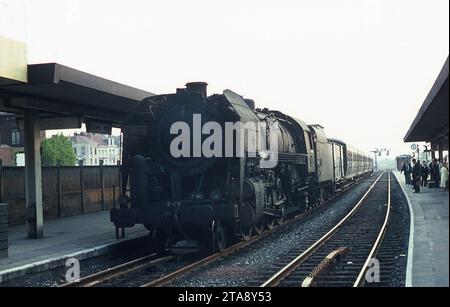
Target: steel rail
[(289, 268), (118, 271), (360, 280)]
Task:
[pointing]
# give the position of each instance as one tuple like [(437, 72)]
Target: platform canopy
[(431, 123), (56, 90), (53, 96)]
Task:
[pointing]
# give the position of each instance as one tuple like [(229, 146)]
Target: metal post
[(1, 181), (59, 188), (33, 178), (114, 206), (102, 182), (114, 196), (80, 163), (375, 152), (121, 189)]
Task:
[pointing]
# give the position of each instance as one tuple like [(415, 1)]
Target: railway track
[(343, 256), (139, 272), (124, 271), (143, 272)]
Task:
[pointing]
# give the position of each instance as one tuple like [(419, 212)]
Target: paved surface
[(83, 236), (428, 266)]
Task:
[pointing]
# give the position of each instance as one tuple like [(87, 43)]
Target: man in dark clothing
[(425, 173), (406, 171), (437, 173), (417, 175), (431, 169)]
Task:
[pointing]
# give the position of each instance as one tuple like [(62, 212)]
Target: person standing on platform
[(411, 176), (437, 173), (444, 178), (431, 168), (406, 171), (425, 173), (417, 175)]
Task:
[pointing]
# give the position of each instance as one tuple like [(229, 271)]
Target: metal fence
[(66, 191)]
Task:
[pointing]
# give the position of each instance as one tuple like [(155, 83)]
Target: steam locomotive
[(183, 187)]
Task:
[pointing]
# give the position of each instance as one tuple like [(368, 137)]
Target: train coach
[(204, 194)]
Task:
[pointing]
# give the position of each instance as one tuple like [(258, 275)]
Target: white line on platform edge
[(64, 257), (409, 265)]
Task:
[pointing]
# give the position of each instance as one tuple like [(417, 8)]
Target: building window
[(15, 137), (83, 150), (75, 150)]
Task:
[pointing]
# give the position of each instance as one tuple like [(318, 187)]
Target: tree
[(58, 148)]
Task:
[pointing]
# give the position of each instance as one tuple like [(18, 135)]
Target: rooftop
[(55, 89), (86, 138), (432, 120)]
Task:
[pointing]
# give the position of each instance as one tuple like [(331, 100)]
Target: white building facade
[(94, 149)]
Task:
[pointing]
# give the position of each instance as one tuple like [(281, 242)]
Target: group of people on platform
[(417, 174)]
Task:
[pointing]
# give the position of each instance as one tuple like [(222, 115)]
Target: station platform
[(80, 237), (428, 256)]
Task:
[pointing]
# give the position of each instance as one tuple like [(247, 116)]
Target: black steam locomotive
[(184, 187)]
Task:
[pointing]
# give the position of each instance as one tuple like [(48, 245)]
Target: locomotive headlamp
[(216, 195)]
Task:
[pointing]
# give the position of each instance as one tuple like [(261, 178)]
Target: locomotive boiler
[(214, 169)]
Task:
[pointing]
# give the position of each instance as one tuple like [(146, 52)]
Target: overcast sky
[(360, 68)]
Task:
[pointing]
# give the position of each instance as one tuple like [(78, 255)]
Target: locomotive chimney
[(198, 87)]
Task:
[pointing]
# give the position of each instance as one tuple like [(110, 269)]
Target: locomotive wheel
[(220, 236), (158, 239)]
